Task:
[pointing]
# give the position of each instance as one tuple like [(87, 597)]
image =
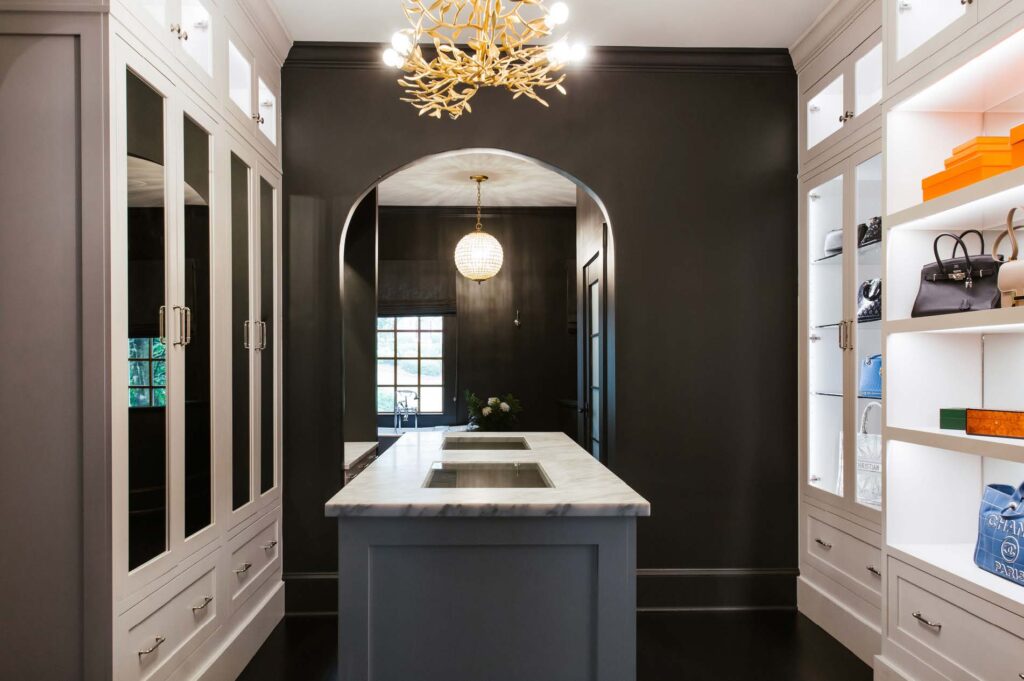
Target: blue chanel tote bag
[(1001, 533)]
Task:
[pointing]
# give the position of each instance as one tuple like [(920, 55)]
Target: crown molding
[(333, 55), (470, 211), (269, 25), (829, 25)]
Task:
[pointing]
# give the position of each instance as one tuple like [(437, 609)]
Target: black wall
[(693, 154), (360, 323), (535, 361)]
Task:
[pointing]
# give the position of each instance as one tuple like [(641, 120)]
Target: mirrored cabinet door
[(198, 321), (242, 335), (827, 334), (146, 285), (266, 346)]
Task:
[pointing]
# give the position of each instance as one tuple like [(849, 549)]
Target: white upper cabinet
[(240, 79), (196, 24), (842, 101), (267, 102), (252, 86)]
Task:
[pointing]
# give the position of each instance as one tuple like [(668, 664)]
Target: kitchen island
[(482, 556)]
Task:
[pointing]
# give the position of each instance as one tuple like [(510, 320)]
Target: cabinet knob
[(824, 544), (875, 571), (925, 621), (966, 2), (152, 649), (258, 118)]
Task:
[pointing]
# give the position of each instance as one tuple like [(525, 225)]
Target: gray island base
[(529, 578)]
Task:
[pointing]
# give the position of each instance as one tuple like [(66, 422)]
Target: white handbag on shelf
[(869, 461), (1011, 274)]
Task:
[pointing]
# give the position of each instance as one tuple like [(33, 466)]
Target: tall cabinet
[(179, 161), (955, 71), (840, 83), (195, 352)]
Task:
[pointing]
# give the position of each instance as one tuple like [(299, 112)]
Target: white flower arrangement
[(505, 407), (486, 411), (497, 413), (491, 401)]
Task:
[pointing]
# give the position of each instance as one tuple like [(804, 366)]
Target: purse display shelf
[(868, 255), (980, 205), (1000, 320), (959, 441), (954, 563)]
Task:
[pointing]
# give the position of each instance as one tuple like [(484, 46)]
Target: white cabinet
[(252, 90), (842, 266), (188, 29), (842, 102), (921, 27)]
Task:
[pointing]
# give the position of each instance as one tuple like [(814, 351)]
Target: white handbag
[(1011, 274), (869, 462)]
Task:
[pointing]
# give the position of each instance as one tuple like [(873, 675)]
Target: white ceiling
[(444, 181), (640, 23)]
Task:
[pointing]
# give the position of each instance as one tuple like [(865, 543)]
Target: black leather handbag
[(958, 284), (869, 301)]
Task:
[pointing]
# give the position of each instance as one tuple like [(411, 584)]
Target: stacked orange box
[(1017, 144), (973, 161)]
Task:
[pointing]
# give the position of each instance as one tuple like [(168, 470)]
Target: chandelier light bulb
[(559, 53), (557, 15), (401, 43), (578, 52), (392, 58)]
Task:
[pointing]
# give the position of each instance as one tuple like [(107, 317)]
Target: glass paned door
[(825, 112), (826, 335), (867, 341), (867, 80), (242, 334), (147, 286), (593, 433), (198, 321), (918, 21), (197, 33)]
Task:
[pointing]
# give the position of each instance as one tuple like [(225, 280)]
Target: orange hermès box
[(1017, 145), (963, 174)]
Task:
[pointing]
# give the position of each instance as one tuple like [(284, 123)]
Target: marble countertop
[(393, 484), (356, 451)]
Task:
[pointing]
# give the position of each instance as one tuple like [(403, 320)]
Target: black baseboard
[(311, 593), (720, 589), (673, 589)]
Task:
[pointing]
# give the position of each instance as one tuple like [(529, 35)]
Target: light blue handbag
[(1001, 533), (871, 377)]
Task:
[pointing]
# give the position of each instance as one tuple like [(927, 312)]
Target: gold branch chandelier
[(498, 49)]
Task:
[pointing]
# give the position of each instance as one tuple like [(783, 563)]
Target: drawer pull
[(824, 544), (202, 606), (270, 544), (243, 569), (152, 649), (875, 571), (925, 621)]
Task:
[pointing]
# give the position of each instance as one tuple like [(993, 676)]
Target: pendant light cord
[(479, 209)]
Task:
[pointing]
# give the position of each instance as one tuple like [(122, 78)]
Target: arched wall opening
[(594, 308)]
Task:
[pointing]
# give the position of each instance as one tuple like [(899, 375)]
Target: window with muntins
[(410, 364)]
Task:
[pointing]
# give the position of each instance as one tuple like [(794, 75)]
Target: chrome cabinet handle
[(152, 649), (243, 569), (823, 544), (849, 335), (261, 338), (163, 324), (181, 325), (925, 621), (245, 334), (206, 601), (263, 325), (270, 544), (842, 335), (258, 118), (875, 571), (188, 325)]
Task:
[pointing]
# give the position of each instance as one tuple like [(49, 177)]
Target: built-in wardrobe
[(180, 461), (894, 95)]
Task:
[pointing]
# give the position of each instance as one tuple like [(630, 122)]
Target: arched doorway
[(592, 315)]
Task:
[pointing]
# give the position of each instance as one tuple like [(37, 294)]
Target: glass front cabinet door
[(841, 296), (922, 27), (843, 100)]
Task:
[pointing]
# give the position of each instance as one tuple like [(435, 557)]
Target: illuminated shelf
[(983, 204), (959, 441), (955, 564), (1002, 320)]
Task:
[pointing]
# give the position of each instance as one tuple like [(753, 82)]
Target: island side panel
[(458, 599)]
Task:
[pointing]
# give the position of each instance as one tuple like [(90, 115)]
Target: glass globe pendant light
[(478, 255)]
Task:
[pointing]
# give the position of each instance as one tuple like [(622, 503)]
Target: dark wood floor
[(728, 646)]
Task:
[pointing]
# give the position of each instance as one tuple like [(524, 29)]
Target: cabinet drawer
[(254, 550), (844, 557), (951, 629), (165, 628)]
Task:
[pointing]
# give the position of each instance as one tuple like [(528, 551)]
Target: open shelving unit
[(935, 478)]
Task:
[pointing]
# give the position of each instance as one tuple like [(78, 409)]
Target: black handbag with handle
[(958, 284), (869, 301)]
